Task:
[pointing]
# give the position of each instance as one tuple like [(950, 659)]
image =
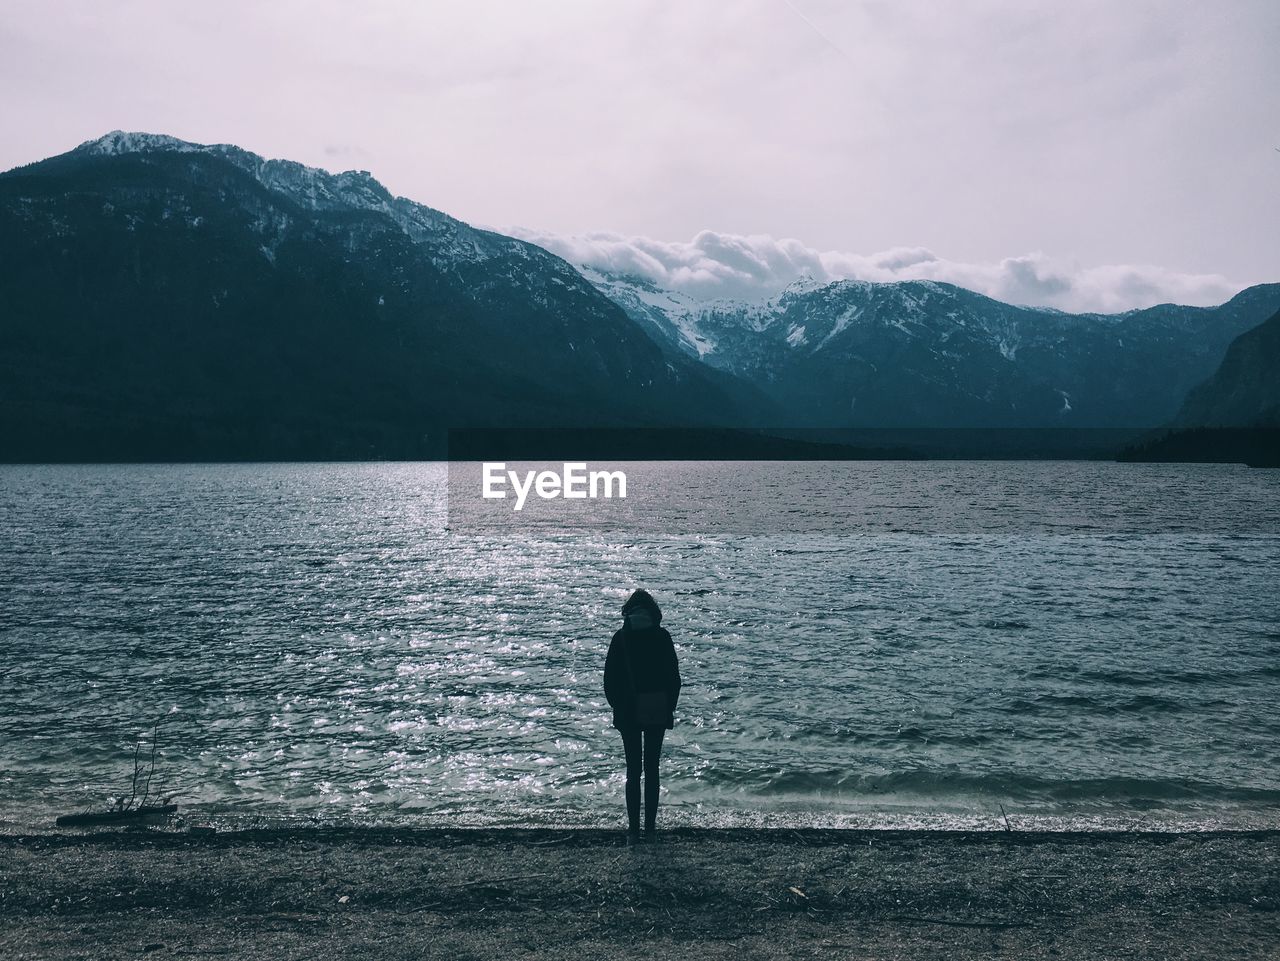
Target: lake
[(1074, 644)]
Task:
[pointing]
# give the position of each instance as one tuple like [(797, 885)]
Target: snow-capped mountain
[(164, 298), (920, 353)]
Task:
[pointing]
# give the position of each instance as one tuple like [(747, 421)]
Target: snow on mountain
[(924, 351), (122, 142), (706, 329), (452, 242), (670, 317)]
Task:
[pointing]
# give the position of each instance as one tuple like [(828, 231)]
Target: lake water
[(1080, 644)]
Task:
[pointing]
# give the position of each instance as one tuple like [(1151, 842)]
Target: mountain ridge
[(1245, 389), (911, 353)]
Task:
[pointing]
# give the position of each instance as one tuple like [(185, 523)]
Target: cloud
[(755, 266), (342, 150)]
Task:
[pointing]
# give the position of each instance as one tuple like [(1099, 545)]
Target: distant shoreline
[(1250, 446)]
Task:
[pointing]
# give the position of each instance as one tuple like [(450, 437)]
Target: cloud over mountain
[(750, 266)]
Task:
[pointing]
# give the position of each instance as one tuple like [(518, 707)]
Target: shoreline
[(391, 892), (39, 821), (159, 834), (189, 824)]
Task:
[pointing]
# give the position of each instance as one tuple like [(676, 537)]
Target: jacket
[(643, 651)]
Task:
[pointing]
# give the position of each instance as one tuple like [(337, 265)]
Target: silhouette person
[(642, 685)]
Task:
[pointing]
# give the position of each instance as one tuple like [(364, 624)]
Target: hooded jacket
[(641, 658)]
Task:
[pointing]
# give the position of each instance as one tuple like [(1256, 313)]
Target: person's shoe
[(633, 838)]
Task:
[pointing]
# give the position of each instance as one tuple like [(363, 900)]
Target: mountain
[(174, 300), (920, 353), (170, 300), (1245, 389)]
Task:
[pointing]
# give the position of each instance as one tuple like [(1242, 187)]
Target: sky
[(1087, 155)]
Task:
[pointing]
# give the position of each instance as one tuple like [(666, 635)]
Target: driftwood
[(115, 817), (134, 808)]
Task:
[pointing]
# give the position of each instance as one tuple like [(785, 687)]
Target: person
[(642, 685)]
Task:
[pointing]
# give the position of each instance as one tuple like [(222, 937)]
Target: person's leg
[(652, 752), (631, 745)]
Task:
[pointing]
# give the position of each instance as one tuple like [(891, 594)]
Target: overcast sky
[(1090, 154)]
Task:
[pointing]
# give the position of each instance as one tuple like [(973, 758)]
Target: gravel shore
[(732, 894)]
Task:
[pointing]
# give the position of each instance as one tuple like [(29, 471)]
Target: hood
[(641, 611)]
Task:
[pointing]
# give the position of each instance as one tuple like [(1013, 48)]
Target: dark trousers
[(645, 758)]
